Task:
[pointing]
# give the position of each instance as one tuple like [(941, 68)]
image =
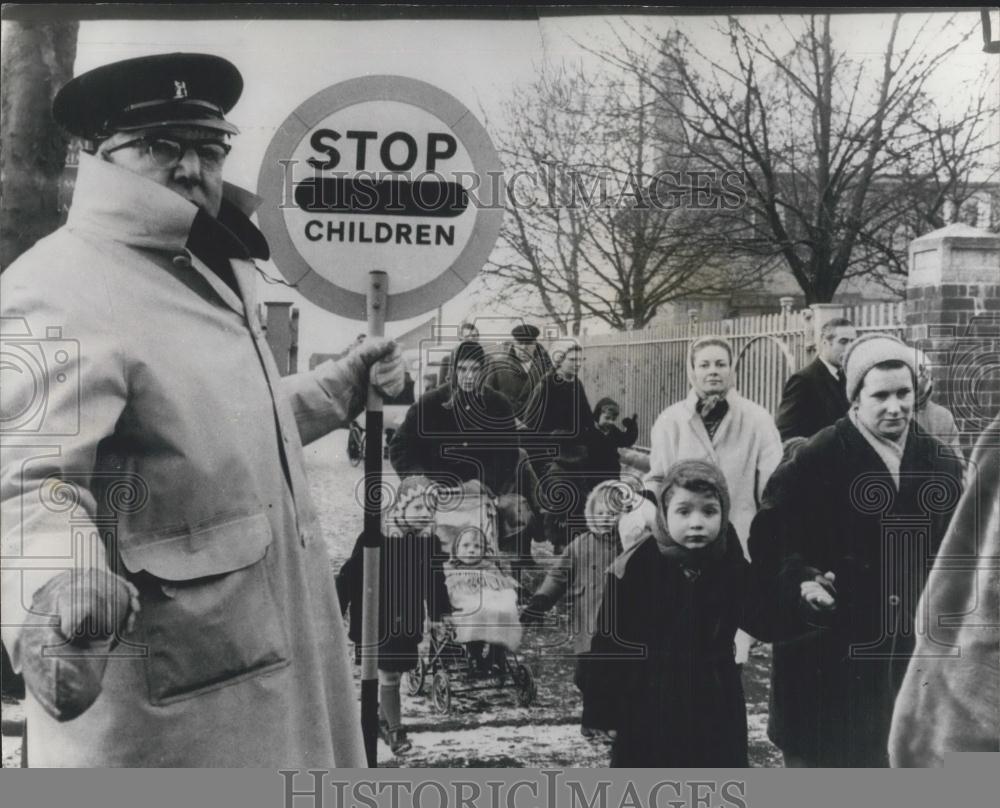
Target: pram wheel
[(415, 678), (525, 684), (441, 692)]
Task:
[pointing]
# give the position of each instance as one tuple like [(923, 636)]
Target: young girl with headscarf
[(663, 646)]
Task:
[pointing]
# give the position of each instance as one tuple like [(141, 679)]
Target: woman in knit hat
[(859, 512), (662, 654)]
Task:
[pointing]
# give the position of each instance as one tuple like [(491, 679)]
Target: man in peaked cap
[(516, 373), (166, 587)]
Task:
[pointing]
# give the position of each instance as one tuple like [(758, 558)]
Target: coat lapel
[(220, 287), (834, 393)]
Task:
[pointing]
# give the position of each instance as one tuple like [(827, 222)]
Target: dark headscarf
[(692, 475)]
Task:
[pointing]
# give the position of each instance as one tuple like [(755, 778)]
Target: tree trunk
[(37, 60)]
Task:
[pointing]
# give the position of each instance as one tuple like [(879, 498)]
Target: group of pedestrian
[(166, 586), (821, 545), (518, 423)]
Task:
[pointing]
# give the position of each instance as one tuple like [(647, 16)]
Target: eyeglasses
[(167, 153)]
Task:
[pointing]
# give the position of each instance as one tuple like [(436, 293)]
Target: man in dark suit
[(815, 397)]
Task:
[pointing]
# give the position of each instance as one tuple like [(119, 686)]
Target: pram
[(458, 670), (477, 651)]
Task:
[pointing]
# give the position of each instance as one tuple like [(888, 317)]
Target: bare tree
[(586, 233), (37, 59), (839, 155)]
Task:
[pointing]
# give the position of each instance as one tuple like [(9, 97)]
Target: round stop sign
[(381, 173)]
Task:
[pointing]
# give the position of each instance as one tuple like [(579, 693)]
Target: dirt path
[(490, 729)]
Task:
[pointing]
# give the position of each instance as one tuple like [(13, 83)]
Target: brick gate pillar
[(953, 314)]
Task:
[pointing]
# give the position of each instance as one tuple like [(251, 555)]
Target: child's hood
[(725, 548)]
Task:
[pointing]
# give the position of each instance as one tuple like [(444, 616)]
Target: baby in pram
[(483, 598)]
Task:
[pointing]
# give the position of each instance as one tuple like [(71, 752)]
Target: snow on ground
[(487, 728)]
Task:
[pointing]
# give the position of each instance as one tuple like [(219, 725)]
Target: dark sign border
[(450, 111)]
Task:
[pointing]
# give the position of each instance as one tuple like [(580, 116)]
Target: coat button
[(894, 600), (182, 261)]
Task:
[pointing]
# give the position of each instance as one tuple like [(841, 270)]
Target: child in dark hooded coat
[(608, 439), (663, 646), (411, 575)]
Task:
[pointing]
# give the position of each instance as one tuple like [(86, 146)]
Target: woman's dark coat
[(662, 658), (460, 438), (834, 507), (562, 421)]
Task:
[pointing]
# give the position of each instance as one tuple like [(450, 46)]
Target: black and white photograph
[(497, 386)]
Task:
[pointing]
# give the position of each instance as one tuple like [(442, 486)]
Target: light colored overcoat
[(169, 448), (746, 446)]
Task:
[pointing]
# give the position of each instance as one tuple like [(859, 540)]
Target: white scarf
[(889, 451)]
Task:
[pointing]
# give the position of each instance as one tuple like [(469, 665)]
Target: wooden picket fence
[(646, 371)]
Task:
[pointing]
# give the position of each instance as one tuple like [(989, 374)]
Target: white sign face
[(381, 173)]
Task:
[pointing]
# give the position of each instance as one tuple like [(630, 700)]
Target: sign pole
[(377, 299)]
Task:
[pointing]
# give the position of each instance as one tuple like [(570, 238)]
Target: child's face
[(607, 418), (604, 514), (693, 519), (417, 514), (470, 547)]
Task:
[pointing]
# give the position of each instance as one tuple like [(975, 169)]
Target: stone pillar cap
[(955, 230)]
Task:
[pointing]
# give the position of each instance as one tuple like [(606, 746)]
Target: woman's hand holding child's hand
[(819, 593)]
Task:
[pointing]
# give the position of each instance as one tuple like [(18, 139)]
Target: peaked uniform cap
[(525, 333), (170, 89)]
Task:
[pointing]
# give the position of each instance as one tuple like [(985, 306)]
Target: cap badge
[(180, 89)]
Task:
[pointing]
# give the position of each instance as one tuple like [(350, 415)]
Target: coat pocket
[(209, 615)]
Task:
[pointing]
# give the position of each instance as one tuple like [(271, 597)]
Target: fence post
[(627, 403)]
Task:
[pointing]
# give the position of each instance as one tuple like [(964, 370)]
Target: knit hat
[(870, 350), (410, 488), (692, 474), (604, 402)]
